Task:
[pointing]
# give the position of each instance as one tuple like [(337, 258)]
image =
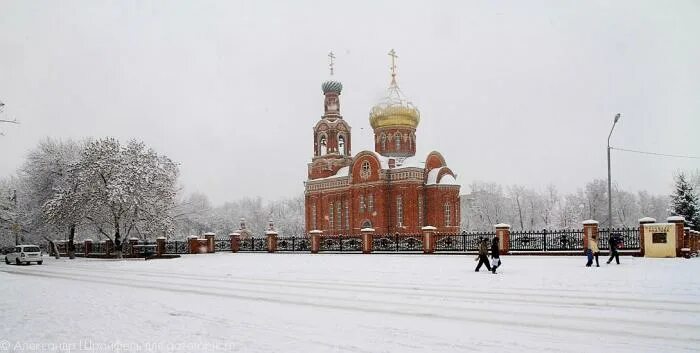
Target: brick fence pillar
[(694, 241), (315, 240), (87, 247), (590, 229), (679, 223), (271, 240), (503, 234), (429, 239), (160, 246), (132, 242), (367, 240), (192, 244), (235, 241), (642, 222), (109, 246), (210, 241)]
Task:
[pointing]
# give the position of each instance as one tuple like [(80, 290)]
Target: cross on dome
[(392, 54), (331, 57)]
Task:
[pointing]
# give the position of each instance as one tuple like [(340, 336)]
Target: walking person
[(593, 251), (614, 242), (483, 254), (495, 256)]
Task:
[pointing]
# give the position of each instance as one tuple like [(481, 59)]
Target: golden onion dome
[(394, 110)]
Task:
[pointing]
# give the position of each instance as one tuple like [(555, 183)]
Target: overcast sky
[(509, 91)]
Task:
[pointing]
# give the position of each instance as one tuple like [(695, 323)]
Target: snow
[(354, 303), (448, 179), (502, 225), (647, 220), (364, 230), (432, 176), (589, 222), (675, 219), (428, 228)]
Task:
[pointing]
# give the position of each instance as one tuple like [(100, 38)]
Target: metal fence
[(294, 244), (253, 244), (341, 243), (222, 245), (629, 236), (567, 240)]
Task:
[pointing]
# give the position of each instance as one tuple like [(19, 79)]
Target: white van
[(24, 254)]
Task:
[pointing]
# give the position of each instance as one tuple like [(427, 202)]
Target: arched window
[(313, 216), (330, 216), (347, 214), (383, 142), (420, 210), (339, 215), (366, 170), (448, 214), (322, 145), (370, 202), (399, 211), (367, 224), (397, 141), (341, 144)]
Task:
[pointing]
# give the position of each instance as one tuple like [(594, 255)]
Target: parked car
[(24, 254)]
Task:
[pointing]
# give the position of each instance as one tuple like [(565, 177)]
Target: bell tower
[(331, 133)]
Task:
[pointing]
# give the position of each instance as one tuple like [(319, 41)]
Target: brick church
[(389, 189)]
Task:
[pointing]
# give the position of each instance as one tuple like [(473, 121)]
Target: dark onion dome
[(332, 86)]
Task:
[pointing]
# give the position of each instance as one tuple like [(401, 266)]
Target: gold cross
[(332, 59), (393, 56)]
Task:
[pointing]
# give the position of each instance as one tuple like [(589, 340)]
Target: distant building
[(388, 189)]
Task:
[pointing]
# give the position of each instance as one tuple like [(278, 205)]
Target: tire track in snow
[(584, 300), (634, 328)]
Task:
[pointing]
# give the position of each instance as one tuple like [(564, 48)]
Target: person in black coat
[(614, 242), (495, 256), (483, 254)]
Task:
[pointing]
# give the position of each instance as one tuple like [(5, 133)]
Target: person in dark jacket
[(613, 242), (495, 256), (483, 254)]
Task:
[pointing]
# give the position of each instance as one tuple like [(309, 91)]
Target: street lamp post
[(617, 117)]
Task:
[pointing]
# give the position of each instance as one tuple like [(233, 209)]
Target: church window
[(313, 216), (362, 203), (383, 142), (366, 170), (399, 211), (347, 215), (322, 145), (341, 145), (448, 215), (420, 210), (370, 201), (397, 140), (339, 215), (330, 216)]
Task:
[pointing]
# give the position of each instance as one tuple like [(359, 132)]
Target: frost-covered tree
[(49, 173), (684, 201), (130, 190)]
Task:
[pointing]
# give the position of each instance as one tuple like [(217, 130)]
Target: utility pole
[(617, 117)]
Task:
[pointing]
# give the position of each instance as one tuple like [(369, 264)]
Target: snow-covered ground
[(350, 303)]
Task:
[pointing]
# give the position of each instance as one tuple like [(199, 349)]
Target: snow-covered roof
[(502, 225), (209, 233), (647, 220), (590, 221), (367, 230), (342, 172), (676, 219), (446, 179)]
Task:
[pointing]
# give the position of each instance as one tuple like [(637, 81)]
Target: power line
[(654, 153)]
